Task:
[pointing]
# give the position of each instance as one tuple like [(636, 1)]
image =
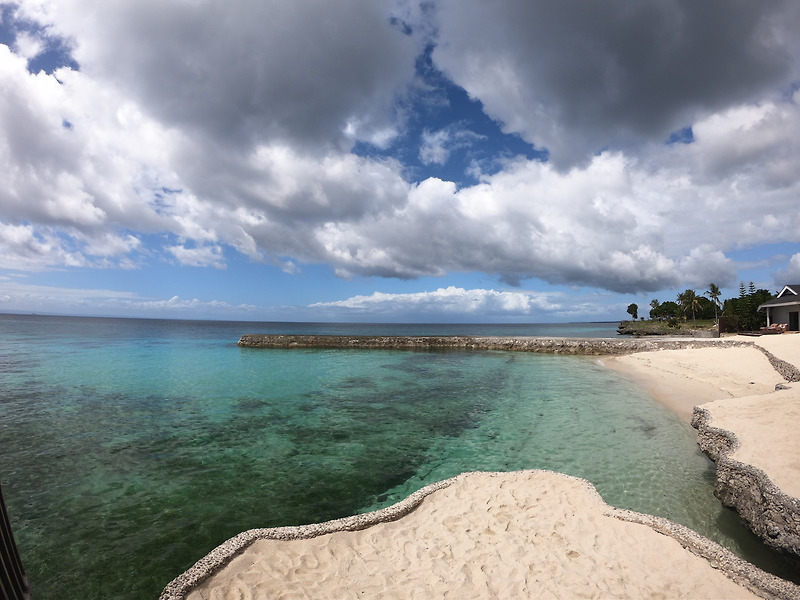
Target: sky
[(395, 160)]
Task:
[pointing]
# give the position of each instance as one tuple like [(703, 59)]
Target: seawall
[(570, 346)]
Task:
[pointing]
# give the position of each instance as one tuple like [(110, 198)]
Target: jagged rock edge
[(786, 370), (747, 489)]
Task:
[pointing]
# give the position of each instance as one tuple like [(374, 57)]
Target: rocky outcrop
[(772, 515), (641, 329), (573, 346)]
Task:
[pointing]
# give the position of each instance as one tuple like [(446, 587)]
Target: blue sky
[(393, 160)]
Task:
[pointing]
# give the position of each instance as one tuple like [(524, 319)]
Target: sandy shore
[(683, 379), (529, 534), (537, 534), (748, 418), (737, 387)]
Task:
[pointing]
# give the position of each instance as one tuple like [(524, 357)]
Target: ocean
[(130, 448)]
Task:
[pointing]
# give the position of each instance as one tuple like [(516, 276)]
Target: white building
[(785, 308)]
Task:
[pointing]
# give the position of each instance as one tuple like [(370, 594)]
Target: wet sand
[(682, 379)]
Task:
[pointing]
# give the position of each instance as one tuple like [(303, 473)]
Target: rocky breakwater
[(570, 346)]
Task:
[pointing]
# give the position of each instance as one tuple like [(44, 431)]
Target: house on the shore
[(785, 308)]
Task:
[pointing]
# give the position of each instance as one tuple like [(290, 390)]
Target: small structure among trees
[(783, 309)]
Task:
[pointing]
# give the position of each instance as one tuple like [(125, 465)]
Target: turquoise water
[(131, 448)]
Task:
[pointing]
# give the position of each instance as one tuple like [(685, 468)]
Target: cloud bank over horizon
[(657, 142)]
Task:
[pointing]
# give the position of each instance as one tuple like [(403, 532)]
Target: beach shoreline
[(679, 397), (680, 374), (682, 378), (745, 404)]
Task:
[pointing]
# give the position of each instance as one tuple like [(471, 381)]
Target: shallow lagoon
[(131, 447)]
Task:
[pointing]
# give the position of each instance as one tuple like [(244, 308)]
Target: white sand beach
[(737, 387), (682, 379), (530, 534), (538, 534)]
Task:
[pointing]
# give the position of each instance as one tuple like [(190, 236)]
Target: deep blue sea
[(131, 448)]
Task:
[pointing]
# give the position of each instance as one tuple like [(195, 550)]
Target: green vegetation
[(668, 312), (633, 311), (714, 294), (690, 302), (745, 307), (704, 309), (656, 327)]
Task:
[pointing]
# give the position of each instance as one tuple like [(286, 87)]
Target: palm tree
[(654, 309), (714, 293), (689, 301)]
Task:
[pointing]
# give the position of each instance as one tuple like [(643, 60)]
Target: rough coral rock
[(571, 346), (771, 514)]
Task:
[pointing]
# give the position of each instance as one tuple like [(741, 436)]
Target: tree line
[(708, 305)]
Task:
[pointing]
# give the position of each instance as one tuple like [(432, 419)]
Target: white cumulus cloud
[(252, 128), (451, 300)]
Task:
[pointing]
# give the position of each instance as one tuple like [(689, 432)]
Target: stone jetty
[(570, 346)]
